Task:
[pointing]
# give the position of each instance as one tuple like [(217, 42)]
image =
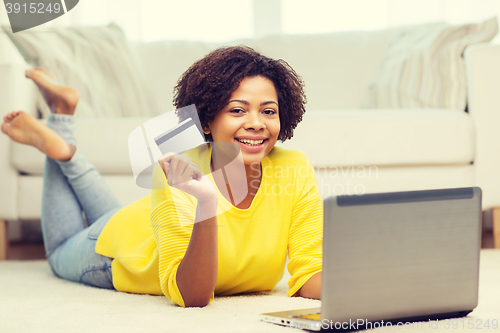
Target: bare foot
[(24, 128), (60, 99)]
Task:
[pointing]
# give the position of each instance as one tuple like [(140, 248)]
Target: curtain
[(220, 20), (317, 16)]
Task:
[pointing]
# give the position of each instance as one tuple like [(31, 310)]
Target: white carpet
[(32, 299)]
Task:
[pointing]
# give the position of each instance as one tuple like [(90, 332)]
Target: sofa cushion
[(29, 196), (164, 62), (328, 138), (337, 68), (103, 142), (385, 137), (330, 182)]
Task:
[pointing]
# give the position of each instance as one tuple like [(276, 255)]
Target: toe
[(11, 116), (45, 71), (5, 128)]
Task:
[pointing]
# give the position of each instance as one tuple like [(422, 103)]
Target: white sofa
[(355, 150)]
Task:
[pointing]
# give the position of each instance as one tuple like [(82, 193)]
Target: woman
[(226, 247)]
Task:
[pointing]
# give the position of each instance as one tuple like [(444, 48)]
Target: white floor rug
[(32, 299)]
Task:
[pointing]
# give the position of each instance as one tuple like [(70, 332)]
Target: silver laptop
[(395, 258)]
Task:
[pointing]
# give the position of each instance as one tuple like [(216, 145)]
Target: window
[(221, 20)]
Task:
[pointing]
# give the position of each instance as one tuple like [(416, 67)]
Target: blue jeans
[(70, 188)]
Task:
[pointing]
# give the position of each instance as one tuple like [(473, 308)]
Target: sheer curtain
[(152, 20), (318, 16), (221, 20)]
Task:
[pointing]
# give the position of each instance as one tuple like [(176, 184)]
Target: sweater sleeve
[(172, 216), (305, 234)]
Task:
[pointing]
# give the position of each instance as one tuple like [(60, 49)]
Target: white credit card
[(180, 138)]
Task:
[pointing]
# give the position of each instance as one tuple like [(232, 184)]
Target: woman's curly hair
[(210, 82)]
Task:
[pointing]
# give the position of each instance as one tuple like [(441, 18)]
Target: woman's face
[(250, 119)]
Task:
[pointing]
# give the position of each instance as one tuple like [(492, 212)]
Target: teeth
[(251, 142)]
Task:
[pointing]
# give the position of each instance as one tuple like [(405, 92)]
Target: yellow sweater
[(149, 237)]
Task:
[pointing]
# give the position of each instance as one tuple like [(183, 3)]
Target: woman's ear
[(206, 130)]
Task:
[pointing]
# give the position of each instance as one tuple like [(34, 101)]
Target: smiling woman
[(192, 238), (249, 100)]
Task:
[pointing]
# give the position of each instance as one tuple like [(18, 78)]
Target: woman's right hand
[(185, 175)]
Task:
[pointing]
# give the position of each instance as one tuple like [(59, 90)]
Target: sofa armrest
[(16, 93), (482, 63)]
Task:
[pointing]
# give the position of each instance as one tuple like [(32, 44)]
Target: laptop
[(390, 259)]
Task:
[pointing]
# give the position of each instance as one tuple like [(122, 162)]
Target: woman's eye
[(269, 112), (237, 111)]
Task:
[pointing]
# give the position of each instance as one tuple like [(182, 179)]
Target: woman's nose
[(254, 122)]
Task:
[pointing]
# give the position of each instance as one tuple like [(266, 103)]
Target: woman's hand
[(185, 175)]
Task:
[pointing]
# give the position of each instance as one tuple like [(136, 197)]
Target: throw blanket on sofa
[(96, 61)]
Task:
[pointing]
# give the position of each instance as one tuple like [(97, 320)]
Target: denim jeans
[(70, 188)]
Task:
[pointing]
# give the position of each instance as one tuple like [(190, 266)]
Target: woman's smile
[(252, 144)]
